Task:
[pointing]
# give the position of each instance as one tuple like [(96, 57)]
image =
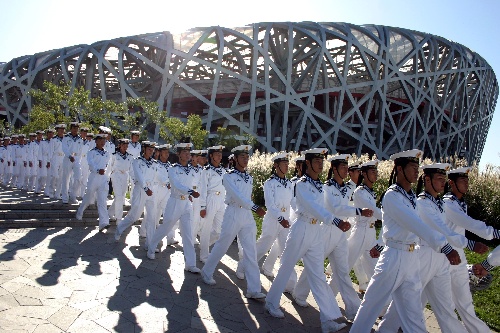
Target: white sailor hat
[(369, 165), (123, 140), (441, 168), (164, 146), (241, 149), (341, 158), (60, 126), (459, 172), (50, 130), (183, 146), (148, 144), (32, 134), (21, 135), (230, 156), (14, 136), (299, 159), (100, 136), (195, 152), (315, 153), (135, 133), (281, 157), (74, 124), (90, 134), (355, 166), (204, 153), (412, 155), (40, 132), (105, 129), (84, 129), (214, 149), (7, 138)]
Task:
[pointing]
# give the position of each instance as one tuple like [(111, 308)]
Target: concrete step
[(54, 222)]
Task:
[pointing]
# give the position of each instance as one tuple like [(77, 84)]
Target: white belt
[(215, 192), (235, 205), (180, 197), (60, 154), (365, 224), (410, 247), (308, 220)]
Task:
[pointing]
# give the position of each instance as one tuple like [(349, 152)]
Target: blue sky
[(29, 26)]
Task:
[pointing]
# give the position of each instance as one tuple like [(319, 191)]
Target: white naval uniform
[(179, 208), (237, 221), (212, 194), (32, 166), (97, 185), (278, 193), (397, 272), (120, 167), (305, 240), (41, 164), (72, 147), (336, 200), (434, 271), (134, 149), (363, 236), (145, 175), (458, 220), (84, 166), (3, 164), (493, 259), (21, 155), (8, 165), (198, 170), (56, 160), (163, 194)]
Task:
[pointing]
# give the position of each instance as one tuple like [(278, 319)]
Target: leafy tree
[(173, 130)]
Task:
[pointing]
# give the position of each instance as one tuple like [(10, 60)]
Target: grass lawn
[(486, 302)]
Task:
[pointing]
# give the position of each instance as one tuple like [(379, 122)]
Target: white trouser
[(2, 171), (161, 203), (84, 170), (7, 172), (335, 248), (196, 218), (215, 214), (436, 283), (271, 231), (305, 241), (463, 299), (55, 177), (41, 176), (69, 168), (137, 204), (237, 221), (274, 253), (32, 175), (178, 209), (397, 273), (119, 189), (97, 185), (359, 244)]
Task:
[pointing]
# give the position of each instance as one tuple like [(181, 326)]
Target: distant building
[(355, 89)]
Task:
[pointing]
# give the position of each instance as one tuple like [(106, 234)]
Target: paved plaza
[(75, 279)]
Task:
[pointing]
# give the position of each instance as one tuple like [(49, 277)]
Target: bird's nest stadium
[(353, 89)]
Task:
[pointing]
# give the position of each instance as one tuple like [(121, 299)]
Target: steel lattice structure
[(355, 89)]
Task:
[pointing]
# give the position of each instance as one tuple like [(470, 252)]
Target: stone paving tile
[(64, 317)]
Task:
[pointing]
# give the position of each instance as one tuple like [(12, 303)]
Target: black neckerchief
[(342, 188), (438, 202), (186, 168), (60, 138), (101, 152), (245, 176), (166, 164), (461, 203), (148, 163), (134, 144), (216, 169), (410, 196), (74, 138), (316, 183), (195, 168), (124, 156), (373, 194), (283, 181)]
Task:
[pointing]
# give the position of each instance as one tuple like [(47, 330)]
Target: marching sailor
[(238, 221), (163, 187), (212, 205), (120, 167), (397, 270), (305, 241), (179, 208), (458, 220), (56, 161), (21, 153), (5, 165), (11, 154), (134, 147), (145, 175), (32, 155), (97, 185)]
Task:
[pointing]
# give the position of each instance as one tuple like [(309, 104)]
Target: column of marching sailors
[(418, 258)]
